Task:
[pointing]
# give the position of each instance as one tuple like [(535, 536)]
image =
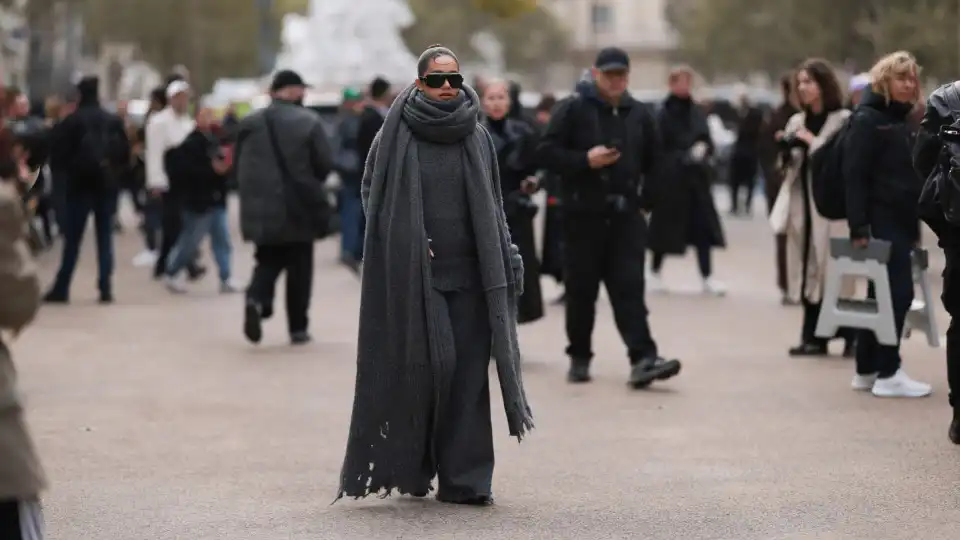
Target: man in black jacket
[(93, 146), (927, 153), (604, 145), (745, 162)]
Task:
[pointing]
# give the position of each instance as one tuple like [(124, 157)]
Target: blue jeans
[(351, 217), (77, 211), (196, 226)]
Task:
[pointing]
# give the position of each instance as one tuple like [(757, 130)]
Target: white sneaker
[(655, 283), (901, 385), (229, 287), (863, 383), (145, 259), (175, 285), (713, 287)]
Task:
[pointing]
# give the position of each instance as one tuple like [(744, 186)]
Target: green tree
[(737, 37), (531, 39), (212, 38)]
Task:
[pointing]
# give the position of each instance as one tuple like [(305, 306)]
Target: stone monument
[(341, 43)]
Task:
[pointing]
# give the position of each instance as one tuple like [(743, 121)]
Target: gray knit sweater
[(446, 216)]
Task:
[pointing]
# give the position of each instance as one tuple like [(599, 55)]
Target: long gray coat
[(264, 213)]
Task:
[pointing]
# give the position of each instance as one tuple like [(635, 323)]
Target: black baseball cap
[(286, 78), (612, 58)]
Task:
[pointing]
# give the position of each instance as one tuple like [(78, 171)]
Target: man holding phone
[(604, 145)]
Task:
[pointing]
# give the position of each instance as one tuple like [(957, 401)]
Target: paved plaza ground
[(157, 421)]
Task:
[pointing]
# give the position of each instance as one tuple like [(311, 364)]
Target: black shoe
[(251, 323), (54, 297), (196, 273), (420, 492), (954, 431), (266, 312), (648, 370), (477, 500), (579, 371), (300, 338), (106, 298), (809, 349), (352, 264)]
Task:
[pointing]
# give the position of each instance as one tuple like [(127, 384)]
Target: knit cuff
[(516, 265)]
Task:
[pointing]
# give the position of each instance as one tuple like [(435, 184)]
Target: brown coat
[(21, 476)]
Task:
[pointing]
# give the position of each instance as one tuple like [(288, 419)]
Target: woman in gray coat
[(439, 293)]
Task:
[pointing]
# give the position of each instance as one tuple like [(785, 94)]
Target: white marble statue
[(348, 42)]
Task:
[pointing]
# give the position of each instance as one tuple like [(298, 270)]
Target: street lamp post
[(265, 45)]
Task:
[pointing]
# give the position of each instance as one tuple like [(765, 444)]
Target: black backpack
[(826, 171), (95, 158), (939, 203)]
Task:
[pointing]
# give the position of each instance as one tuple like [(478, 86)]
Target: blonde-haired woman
[(794, 214), (882, 192)]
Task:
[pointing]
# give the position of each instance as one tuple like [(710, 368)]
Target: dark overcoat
[(684, 213)]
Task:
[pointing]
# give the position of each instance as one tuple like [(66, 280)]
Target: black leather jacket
[(926, 155)]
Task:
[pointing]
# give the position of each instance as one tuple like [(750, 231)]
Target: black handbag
[(307, 202)]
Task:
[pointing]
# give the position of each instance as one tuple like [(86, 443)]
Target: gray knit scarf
[(403, 364)]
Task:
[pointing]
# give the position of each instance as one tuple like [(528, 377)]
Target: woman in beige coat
[(21, 478), (794, 213)]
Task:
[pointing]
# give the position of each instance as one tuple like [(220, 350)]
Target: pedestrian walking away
[(283, 203)]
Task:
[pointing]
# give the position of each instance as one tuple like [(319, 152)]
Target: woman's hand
[(805, 135)]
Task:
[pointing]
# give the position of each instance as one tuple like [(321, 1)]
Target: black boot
[(56, 297), (252, 323), (579, 370), (300, 338), (954, 431), (651, 369), (809, 349), (476, 500)]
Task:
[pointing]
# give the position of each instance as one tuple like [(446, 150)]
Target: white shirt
[(164, 130)]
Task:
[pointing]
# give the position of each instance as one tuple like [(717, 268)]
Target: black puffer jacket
[(878, 167), (585, 120)]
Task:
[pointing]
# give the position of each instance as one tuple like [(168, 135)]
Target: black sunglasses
[(437, 80)]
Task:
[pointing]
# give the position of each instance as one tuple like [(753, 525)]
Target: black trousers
[(781, 253), (20, 520), (951, 302), (296, 260), (743, 175), (608, 249), (808, 330), (872, 357), (171, 222)]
